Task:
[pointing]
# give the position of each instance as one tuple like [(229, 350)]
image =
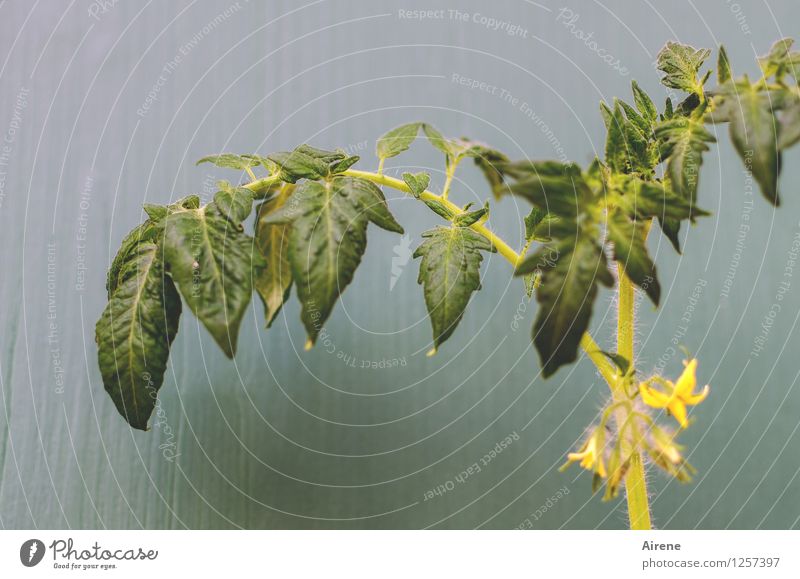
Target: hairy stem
[(636, 489), (635, 484)]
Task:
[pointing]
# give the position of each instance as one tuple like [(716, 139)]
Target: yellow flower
[(589, 456), (681, 396)]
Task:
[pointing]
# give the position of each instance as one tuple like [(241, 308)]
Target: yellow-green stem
[(635, 484)]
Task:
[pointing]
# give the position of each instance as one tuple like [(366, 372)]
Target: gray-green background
[(286, 438)]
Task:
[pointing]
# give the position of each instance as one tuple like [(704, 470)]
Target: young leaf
[(437, 139), (555, 187), (646, 199), (231, 161), (680, 64), (532, 221), (274, 281), (397, 140), (327, 238), (344, 164), (135, 332), (321, 154), (644, 104), (213, 262), (235, 203), (449, 273), (491, 163), (780, 60), (683, 142), (570, 272), (626, 145), (470, 217), (723, 66), (417, 183), (630, 251)]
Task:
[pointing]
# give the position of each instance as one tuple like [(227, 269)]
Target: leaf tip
[(309, 344), (432, 352)]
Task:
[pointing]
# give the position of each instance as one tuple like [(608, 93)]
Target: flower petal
[(688, 380), (653, 397)]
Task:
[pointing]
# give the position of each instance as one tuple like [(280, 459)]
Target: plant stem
[(636, 489), (635, 484)]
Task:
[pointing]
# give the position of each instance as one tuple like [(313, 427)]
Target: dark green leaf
[(754, 132), (627, 148), (344, 164), (213, 263), (321, 154), (450, 273), (297, 164), (630, 251), (327, 238), (566, 295), (646, 199), (555, 188), (620, 361), (397, 140), (681, 63), (135, 332), (490, 162)]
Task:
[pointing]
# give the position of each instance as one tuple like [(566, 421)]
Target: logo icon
[(402, 253), (31, 553)]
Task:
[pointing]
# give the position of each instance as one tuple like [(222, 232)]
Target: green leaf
[(213, 263), (298, 164), (630, 251), (754, 131), (231, 161), (321, 154), (780, 61), (646, 199), (397, 140), (723, 66), (344, 164), (470, 217), (554, 187), (620, 361), (439, 208), (135, 332), (683, 142), (274, 281), (644, 104), (327, 238), (449, 273), (235, 203), (491, 163), (532, 221), (417, 183), (570, 271), (436, 139), (627, 148), (680, 64)]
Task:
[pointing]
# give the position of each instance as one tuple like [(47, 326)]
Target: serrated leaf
[(327, 238), (754, 131), (671, 229), (417, 183), (626, 145), (554, 187), (213, 262), (298, 164), (644, 104), (630, 251), (471, 217), (566, 296), (449, 273), (274, 281), (532, 221), (723, 66), (436, 138), (322, 154), (680, 64), (780, 61), (647, 199), (235, 203), (231, 161), (491, 163), (683, 142), (135, 332), (397, 140)]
